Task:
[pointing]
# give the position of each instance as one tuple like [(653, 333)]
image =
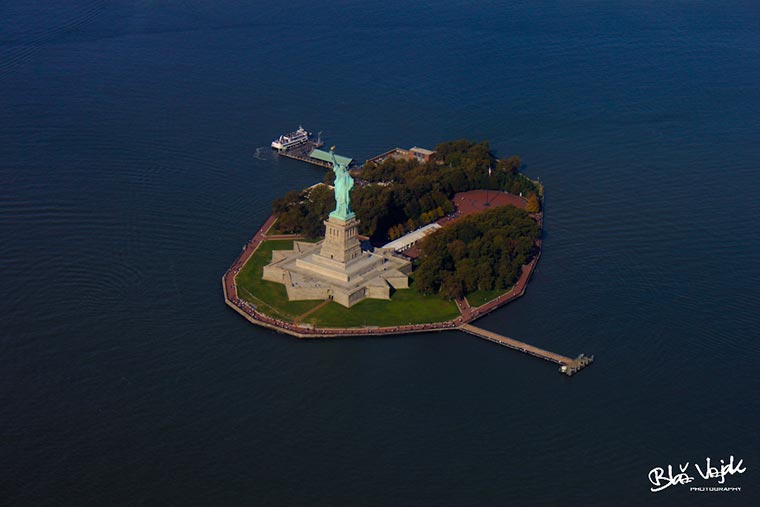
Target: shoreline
[(468, 314)]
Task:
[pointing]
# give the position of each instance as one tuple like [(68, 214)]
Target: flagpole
[(488, 183)]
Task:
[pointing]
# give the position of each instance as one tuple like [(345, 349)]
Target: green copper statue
[(343, 185)]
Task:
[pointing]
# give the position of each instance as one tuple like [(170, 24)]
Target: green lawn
[(481, 297), (406, 306), (271, 298), (274, 230)]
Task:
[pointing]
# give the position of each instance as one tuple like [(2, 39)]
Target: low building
[(421, 154), (396, 153), (325, 156), (410, 239)]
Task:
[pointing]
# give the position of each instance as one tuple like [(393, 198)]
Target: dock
[(251, 311), (302, 152), (568, 366)]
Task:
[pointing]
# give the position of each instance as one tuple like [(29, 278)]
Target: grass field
[(406, 305), (274, 230), (481, 297), (271, 298)]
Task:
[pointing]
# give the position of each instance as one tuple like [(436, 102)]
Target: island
[(413, 241)]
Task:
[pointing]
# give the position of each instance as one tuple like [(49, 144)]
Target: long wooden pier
[(568, 366)]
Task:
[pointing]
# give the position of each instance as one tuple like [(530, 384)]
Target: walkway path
[(301, 317), (296, 328), (468, 314), (515, 344), (464, 308), (567, 366)]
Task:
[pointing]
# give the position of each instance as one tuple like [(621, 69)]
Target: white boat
[(286, 141)]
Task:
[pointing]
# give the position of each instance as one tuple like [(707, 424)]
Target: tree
[(485, 279), (483, 251), (427, 279), (452, 287), (533, 206), (511, 164), (399, 191), (467, 274)]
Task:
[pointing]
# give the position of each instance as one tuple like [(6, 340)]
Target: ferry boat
[(286, 141)]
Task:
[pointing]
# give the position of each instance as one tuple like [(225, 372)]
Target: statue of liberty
[(343, 185)]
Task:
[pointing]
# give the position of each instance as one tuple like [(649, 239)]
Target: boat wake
[(261, 153)]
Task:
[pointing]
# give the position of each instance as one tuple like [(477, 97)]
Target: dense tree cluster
[(400, 195), (412, 194), (482, 251), (303, 211), (472, 162)]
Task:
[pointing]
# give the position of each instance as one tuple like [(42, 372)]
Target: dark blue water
[(134, 163)]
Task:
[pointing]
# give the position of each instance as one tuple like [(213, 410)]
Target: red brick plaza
[(476, 201)]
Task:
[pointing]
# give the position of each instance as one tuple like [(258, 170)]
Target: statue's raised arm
[(343, 185), (336, 165)]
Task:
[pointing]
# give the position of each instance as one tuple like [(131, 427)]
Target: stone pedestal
[(341, 243), (337, 268)]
